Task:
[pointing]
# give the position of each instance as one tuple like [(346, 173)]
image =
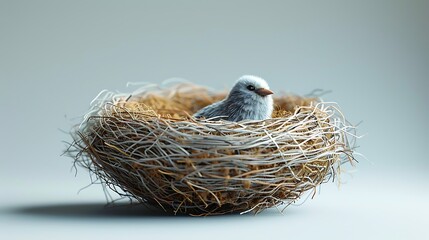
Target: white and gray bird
[(250, 99)]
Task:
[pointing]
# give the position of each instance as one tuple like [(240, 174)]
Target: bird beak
[(263, 92)]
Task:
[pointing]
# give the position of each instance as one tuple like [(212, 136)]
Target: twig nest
[(147, 146)]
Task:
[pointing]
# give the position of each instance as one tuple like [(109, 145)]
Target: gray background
[(55, 56)]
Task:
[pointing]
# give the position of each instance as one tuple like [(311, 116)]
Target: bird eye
[(251, 87)]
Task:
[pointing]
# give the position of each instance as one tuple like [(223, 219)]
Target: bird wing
[(213, 110)]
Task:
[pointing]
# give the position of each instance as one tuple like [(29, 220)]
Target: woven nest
[(147, 146)]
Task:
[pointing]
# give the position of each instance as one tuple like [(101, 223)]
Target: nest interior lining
[(147, 146)]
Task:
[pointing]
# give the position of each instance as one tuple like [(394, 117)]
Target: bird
[(249, 99)]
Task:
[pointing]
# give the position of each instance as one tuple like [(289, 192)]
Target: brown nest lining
[(147, 146)]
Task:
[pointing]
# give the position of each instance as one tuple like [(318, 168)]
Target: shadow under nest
[(148, 147)]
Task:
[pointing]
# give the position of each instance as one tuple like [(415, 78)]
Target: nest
[(147, 146)]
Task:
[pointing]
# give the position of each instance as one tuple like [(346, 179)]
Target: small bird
[(250, 99)]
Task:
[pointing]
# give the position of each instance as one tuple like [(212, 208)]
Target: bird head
[(252, 87)]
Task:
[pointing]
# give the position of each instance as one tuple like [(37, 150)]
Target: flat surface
[(56, 56), (366, 207)]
